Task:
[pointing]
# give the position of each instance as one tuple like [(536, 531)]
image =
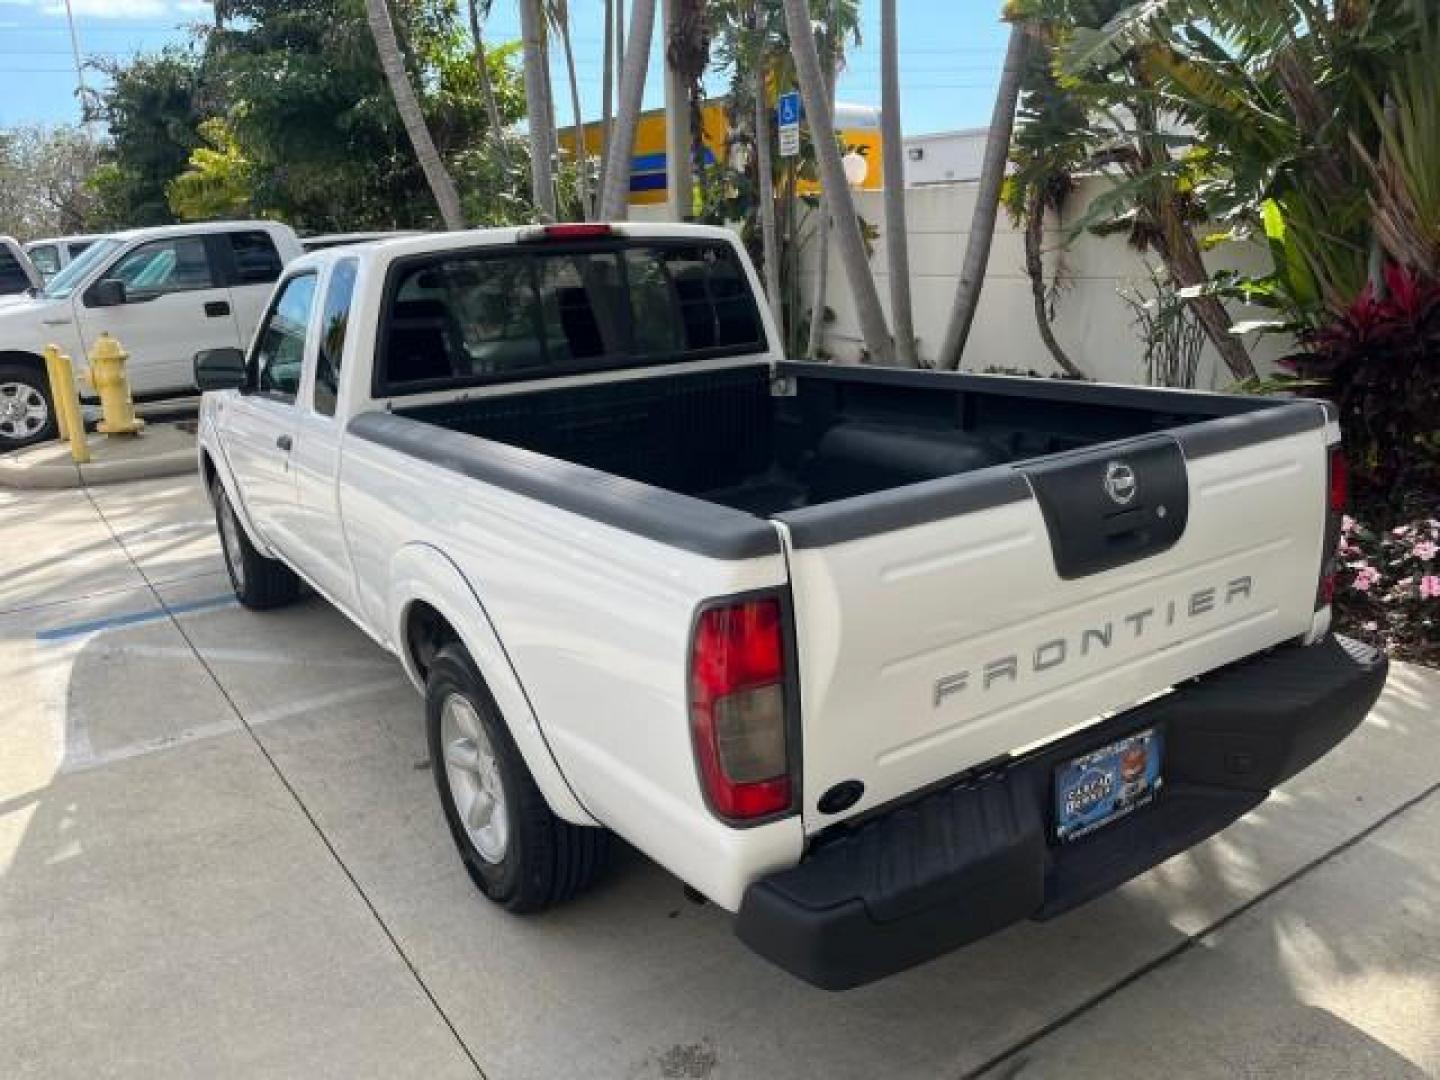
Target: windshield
[(65, 282)]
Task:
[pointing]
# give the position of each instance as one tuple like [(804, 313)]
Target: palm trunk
[(1181, 252), (487, 88), (832, 174), (897, 243), (615, 199), (822, 254), (607, 90), (987, 204), (765, 187), (1035, 269), (537, 99), (408, 106), (582, 155)]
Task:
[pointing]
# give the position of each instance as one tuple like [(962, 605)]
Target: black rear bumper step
[(964, 862)]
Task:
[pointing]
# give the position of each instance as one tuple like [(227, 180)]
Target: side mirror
[(220, 369), (107, 292)]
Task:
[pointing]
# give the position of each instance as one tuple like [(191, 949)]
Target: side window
[(46, 258), (280, 352), (175, 264), (334, 320), (13, 278), (256, 260), (75, 247)]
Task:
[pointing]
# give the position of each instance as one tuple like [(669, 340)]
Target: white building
[(944, 157)]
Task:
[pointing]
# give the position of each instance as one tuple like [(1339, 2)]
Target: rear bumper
[(963, 862)]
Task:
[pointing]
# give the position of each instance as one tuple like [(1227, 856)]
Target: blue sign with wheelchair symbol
[(789, 108)]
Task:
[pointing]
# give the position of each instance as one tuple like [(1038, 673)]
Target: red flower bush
[(1379, 361)]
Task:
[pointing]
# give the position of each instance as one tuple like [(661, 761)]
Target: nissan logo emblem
[(1120, 483)]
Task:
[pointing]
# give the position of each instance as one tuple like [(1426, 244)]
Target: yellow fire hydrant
[(107, 375)]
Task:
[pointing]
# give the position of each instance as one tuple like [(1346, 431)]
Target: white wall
[(1092, 323)]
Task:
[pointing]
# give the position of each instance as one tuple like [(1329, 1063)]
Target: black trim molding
[(656, 514)]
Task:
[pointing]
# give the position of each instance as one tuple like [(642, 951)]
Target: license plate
[(1100, 787)]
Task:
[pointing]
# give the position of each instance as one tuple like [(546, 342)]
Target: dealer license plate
[(1100, 787)]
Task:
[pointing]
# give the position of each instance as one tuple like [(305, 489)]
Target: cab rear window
[(497, 315)]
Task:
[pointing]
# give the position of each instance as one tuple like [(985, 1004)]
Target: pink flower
[(1347, 524), (1367, 576), (1402, 530), (1430, 587), (1425, 550)]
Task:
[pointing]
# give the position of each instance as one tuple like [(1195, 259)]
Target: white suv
[(165, 293)]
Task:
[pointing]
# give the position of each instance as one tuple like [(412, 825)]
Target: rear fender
[(421, 573)]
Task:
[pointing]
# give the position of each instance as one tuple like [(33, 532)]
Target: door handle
[(284, 443), (216, 309)]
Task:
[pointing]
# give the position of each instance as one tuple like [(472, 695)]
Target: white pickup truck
[(880, 660), (164, 293)]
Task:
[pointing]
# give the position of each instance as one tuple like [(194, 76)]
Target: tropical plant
[(558, 14), (1171, 335), (1379, 361), (541, 110), (408, 106), (479, 12), (615, 198), (220, 181), (851, 245), (750, 42), (897, 247), (987, 204), (687, 54)]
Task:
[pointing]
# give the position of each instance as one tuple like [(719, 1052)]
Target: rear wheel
[(259, 583), (27, 414), (516, 850)]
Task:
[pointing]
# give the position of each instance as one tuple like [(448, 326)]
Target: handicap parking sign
[(788, 111), (789, 106)]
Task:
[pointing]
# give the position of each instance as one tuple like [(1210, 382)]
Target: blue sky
[(951, 51)]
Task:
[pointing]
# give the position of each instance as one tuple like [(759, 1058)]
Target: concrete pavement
[(221, 854)]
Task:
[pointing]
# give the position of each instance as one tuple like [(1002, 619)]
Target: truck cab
[(164, 293)]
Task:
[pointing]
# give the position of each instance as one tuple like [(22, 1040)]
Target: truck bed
[(830, 434)]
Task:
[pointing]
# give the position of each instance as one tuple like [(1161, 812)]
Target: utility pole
[(80, 90)]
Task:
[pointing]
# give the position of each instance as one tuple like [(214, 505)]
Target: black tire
[(259, 583), (545, 860), (34, 389)]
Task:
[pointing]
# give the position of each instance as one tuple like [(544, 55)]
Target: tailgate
[(945, 624)]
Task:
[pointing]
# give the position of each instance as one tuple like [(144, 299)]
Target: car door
[(259, 424), (319, 550), (175, 303)]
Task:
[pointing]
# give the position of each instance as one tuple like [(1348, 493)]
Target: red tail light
[(569, 230), (738, 709), (1339, 495)]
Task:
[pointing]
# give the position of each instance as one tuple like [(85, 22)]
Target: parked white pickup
[(881, 660), (164, 292)]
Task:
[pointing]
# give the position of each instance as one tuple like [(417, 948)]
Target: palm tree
[(542, 117), (408, 106), (897, 246), (822, 251), (487, 88), (607, 90), (832, 173), (615, 198), (560, 18), (687, 53), (987, 203), (765, 188)]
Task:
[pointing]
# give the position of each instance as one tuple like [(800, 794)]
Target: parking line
[(60, 633)]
